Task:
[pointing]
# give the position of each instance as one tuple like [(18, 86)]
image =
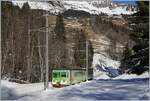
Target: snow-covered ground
[(95, 90), (133, 76), (123, 76)]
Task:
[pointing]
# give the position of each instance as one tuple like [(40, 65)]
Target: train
[(64, 77)]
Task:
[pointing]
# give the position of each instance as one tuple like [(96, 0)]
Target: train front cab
[(60, 78)]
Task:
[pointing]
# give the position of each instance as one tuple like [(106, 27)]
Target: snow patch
[(20, 89), (101, 75), (100, 59), (103, 66), (133, 76)]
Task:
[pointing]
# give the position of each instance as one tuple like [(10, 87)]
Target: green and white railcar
[(61, 77), (65, 77)]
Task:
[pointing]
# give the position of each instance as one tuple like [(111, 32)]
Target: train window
[(77, 74), (55, 75), (63, 74)]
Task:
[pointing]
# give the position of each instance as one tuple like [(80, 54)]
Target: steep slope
[(109, 38)]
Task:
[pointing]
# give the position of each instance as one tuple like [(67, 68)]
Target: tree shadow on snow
[(76, 93), (91, 96), (121, 93), (10, 94)]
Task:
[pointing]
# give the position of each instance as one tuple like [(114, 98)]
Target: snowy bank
[(94, 90), (12, 90), (133, 76), (123, 76), (101, 75)]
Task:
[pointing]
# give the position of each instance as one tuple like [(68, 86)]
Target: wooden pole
[(46, 54), (29, 68), (87, 60)]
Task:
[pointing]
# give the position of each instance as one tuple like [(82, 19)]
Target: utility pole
[(29, 66), (46, 76), (87, 60), (46, 54)]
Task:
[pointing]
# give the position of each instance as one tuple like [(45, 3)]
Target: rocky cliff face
[(111, 35)]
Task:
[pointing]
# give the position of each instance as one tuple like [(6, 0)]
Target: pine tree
[(60, 29), (26, 6), (59, 39), (141, 28), (127, 52), (125, 64), (140, 34), (141, 21)]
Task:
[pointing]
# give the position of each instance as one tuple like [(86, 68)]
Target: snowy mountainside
[(52, 6), (92, 9), (88, 6)]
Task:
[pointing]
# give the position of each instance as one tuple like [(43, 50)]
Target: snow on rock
[(75, 5), (88, 7), (106, 68), (41, 5), (101, 59), (133, 76), (103, 66)]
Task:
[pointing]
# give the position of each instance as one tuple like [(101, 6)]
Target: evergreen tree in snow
[(140, 34)]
